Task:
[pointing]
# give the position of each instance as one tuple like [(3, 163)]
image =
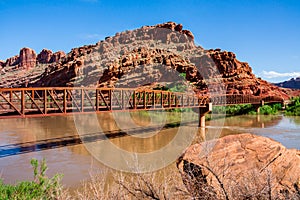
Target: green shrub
[(270, 109), (41, 188), (233, 109), (294, 107), (246, 109)]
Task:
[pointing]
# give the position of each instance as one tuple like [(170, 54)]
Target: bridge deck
[(23, 102)]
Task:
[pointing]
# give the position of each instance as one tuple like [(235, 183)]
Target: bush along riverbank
[(247, 109), (41, 187), (293, 109)]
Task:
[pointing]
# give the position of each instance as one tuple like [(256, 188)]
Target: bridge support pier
[(202, 112), (257, 106)]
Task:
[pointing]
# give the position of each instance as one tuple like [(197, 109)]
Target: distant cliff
[(293, 83), (27, 58)]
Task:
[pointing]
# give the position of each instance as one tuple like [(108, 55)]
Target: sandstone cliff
[(142, 57), (27, 58), (20, 70)]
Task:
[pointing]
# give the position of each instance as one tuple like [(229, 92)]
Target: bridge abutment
[(202, 112)]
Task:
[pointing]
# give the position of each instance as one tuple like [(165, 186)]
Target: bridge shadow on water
[(40, 145)]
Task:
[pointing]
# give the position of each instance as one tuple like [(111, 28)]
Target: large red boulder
[(243, 166)]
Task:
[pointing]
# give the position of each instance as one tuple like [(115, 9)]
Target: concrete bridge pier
[(257, 106), (202, 112)]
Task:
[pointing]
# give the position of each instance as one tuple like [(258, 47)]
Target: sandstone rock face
[(44, 56), (135, 55), (12, 61), (2, 63), (20, 71), (27, 58), (56, 57), (47, 56), (241, 166), (239, 79), (146, 67)]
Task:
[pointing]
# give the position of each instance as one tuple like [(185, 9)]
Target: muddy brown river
[(80, 146)]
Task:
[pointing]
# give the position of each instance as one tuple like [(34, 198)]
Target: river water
[(59, 140)]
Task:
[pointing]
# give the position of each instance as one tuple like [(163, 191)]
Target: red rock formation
[(57, 56), (239, 78), (241, 165), (12, 61), (176, 27), (166, 44), (25, 61), (44, 56), (27, 58), (2, 63), (148, 67)]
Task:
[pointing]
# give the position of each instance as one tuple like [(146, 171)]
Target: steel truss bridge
[(26, 102)]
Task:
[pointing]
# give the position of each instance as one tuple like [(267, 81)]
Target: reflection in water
[(41, 137), (294, 119), (148, 150)]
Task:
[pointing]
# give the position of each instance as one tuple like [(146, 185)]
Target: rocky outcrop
[(27, 67), (47, 56), (12, 61), (176, 27), (239, 79), (27, 58), (44, 56), (2, 63), (241, 166), (147, 67), (57, 56)]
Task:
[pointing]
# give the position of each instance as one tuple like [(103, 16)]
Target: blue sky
[(263, 33)]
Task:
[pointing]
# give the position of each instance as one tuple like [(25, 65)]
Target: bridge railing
[(235, 99), (44, 101), (243, 99)]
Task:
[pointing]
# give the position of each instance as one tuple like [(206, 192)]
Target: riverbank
[(292, 109)]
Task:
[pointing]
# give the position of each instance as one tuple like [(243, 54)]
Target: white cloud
[(273, 74), (91, 36)]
